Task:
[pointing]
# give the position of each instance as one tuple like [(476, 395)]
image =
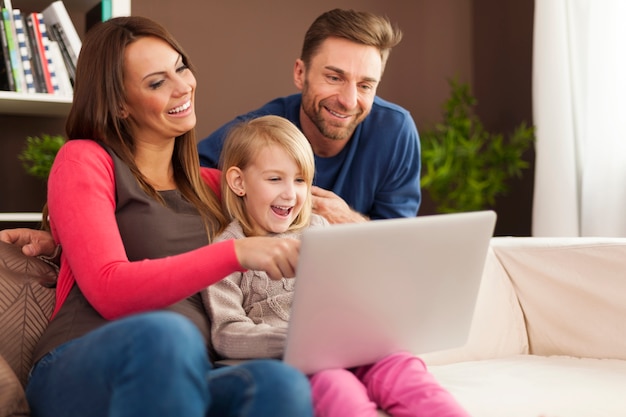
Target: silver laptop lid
[(368, 289)]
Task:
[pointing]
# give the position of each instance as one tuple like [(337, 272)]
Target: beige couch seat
[(549, 332)]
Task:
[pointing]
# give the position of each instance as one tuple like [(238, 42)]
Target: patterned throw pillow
[(12, 399), (26, 303)]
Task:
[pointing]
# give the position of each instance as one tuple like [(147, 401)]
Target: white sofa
[(548, 336)]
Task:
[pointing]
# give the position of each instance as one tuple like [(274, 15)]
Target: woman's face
[(160, 91)]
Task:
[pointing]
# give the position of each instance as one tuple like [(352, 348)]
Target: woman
[(134, 214)]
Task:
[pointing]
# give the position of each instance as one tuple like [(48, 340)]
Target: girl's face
[(274, 190), (160, 91)]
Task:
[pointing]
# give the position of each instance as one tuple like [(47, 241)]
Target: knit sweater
[(249, 312)]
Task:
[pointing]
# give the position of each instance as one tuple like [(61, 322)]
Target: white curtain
[(579, 110)]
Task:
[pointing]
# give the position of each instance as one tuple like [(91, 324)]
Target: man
[(367, 151)]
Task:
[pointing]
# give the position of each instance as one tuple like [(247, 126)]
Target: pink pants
[(400, 384)]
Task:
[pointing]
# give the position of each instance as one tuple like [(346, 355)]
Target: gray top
[(149, 230)]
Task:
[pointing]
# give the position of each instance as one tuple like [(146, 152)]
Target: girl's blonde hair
[(244, 141)]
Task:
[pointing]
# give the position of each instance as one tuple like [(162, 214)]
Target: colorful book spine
[(45, 40), (6, 72), (65, 85), (107, 10), (16, 62), (24, 51), (36, 61)]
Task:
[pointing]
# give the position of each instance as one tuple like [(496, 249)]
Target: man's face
[(339, 86)]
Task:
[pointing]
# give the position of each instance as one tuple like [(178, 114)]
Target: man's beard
[(316, 115)]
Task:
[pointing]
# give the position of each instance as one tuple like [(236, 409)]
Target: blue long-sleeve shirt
[(377, 173)]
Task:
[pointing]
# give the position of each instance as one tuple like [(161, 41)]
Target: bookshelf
[(26, 114), (37, 104)]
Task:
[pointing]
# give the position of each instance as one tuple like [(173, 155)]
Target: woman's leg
[(338, 393), (259, 388), (402, 386), (152, 364)]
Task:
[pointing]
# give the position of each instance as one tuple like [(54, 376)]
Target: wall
[(245, 50), (244, 53), (19, 191), (502, 63)]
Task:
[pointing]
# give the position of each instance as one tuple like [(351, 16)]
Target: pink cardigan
[(81, 203)]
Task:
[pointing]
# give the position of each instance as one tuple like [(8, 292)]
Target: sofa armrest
[(497, 329), (25, 305), (572, 292), (12, 399)]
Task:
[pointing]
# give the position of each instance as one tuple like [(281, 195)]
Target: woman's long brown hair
[(99, 98)]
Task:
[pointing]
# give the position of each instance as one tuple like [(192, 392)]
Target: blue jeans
[(156, 364)]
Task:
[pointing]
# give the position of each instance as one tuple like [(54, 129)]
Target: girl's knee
[(404, 359), (329, 378)]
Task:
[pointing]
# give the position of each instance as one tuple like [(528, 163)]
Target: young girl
[(267, 172)]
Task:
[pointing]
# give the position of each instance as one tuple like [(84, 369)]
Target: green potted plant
[(464, 166), (39, 153)]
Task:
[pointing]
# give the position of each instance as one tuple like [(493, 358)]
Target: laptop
[(365, 290)]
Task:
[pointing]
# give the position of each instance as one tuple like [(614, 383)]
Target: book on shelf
[(6, 72), (14, 54), (43, 31), (39, 50), (61, 29), (23, 47), (42, 59), (35, 55), (101, 12), (63, 78)]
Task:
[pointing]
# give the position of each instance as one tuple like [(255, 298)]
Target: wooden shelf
[(120, 7), (20, 217), (34, 104)]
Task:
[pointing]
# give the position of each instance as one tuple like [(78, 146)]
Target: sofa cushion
[(572, 293), (498, 327), (26, 303), (537, 386)]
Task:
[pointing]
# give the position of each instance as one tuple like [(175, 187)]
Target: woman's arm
[(81, 201)]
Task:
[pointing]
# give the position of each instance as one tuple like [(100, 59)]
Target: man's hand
[(33, 242), (329, 205)]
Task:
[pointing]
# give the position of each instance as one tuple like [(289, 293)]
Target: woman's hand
[(33, 242), (276, 256)]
